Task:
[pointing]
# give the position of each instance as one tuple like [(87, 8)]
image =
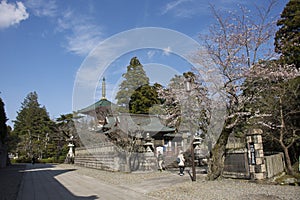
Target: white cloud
[(172, 5), (181, 8), (42, 7), (83, 39), (82, 36), (11, 14), (191, 8)]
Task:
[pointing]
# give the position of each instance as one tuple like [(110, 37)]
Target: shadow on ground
[(10, 180), (27, 181)]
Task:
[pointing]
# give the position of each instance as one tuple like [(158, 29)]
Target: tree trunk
[(288, 162), (218, 154), (127, 164), (284, 147)]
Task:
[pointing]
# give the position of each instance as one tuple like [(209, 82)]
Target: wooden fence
[(274, 164)]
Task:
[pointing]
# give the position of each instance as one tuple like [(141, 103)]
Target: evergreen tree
[(12, 140), (135, 78), (66, 128), (3, 136), (7, 137), (287, 43), (287, 38), (33, 126), (3, 127), (143, 99)]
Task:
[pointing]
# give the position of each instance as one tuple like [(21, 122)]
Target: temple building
[(107, 121), (142, 133)]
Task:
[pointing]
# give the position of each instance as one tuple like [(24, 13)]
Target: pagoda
[(100, 109)]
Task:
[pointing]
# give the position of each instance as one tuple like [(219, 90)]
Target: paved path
[(45, 181), (10, 180)]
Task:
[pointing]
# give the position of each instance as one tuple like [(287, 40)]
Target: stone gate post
[(256, 159)]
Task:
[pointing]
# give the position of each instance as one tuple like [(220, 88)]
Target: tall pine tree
[(287, 38), (287, 43), (33, 126), (134, 78)]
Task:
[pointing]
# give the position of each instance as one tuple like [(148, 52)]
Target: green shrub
[(22, 159), (61, 159), (47, 160)]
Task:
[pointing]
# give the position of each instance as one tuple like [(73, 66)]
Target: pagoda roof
[(102, 103), (133, 122)]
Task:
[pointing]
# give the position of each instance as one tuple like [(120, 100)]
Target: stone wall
[(109, 157), (100, 157)]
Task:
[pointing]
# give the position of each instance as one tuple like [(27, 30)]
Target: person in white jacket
[(181, 161), (160, 161)]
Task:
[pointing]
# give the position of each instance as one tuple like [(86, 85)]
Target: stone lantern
[(70, 155), (149, 162), (197, 149), (148, 144)]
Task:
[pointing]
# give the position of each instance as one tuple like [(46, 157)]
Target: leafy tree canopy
[(66, 127), (287, 38), (143, 99)]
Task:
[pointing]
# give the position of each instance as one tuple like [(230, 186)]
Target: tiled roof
[(146, 123), (101, 103)]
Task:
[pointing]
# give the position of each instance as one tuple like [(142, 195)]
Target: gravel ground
[(117, 178), (230, 189)]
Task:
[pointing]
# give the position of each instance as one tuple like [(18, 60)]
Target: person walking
[(160, 161), (33, 160), (180, 161)]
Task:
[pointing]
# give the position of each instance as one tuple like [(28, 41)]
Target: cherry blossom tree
[(186, 109), (236, 42), (274, 91)]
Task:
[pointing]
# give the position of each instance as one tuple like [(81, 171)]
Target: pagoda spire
[(103, 89)]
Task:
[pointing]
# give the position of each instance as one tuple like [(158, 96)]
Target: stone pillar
[(256, 159)]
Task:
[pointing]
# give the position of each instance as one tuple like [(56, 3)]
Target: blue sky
[(43, 43)]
